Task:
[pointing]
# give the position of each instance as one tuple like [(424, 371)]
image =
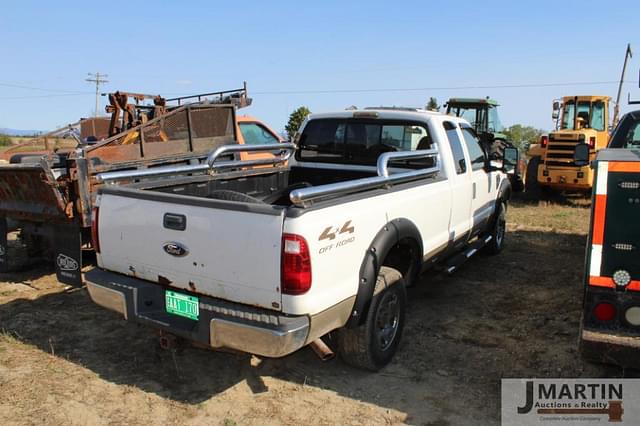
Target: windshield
[(592, 115)]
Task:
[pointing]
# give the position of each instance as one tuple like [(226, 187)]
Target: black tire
[(373, 344), (531, 185), (498, 231)]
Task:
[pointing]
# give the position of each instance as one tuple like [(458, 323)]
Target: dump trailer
[(48, 198)]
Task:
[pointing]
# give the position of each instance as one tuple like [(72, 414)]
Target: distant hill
[(16, 132)]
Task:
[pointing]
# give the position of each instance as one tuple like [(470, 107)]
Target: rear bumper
[(610, 348), (220, 324)]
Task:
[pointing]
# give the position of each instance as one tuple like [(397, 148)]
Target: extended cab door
[(483, 187), (461, 186)]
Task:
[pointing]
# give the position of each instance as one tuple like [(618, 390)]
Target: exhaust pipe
[(321, 349)]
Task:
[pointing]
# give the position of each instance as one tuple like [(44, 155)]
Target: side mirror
[(510, 160), (555, 114), (581, 154), (556, 106)]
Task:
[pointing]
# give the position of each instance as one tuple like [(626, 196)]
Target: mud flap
[(4, 249), (68, 254)]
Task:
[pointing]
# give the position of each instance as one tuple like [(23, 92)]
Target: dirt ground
[(64, 360)]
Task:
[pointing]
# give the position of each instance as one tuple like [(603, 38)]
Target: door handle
[(474, 190)]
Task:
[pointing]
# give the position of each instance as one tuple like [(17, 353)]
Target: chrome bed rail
[(209, 165), (303, 197)]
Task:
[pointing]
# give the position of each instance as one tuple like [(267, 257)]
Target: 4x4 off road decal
[(332, 232)]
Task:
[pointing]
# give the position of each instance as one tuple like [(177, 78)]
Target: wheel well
[(404, 256)]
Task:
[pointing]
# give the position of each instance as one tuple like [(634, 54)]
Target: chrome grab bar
[(225, 149), (210, 165), (303, 196)]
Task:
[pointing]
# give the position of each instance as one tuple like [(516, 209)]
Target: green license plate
[(182, 304)]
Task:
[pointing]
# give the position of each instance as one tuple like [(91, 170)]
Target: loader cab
[(584, 112)]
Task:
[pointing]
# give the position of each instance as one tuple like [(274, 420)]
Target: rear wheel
[(373, 344)]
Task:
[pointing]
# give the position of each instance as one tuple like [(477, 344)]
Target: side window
[(456, 147), (597, 116), (255, 134), (476, 154), (633, 137)]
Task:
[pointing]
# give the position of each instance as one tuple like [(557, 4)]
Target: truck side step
[(456, 261)]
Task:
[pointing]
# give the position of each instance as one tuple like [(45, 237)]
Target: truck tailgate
[(28, 191), (226, 250)]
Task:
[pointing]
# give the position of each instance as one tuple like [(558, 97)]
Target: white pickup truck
[(325, 239)]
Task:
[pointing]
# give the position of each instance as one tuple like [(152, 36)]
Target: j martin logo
[(66, 263), (570, 401)]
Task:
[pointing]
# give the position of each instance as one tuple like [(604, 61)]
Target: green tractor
[(482, 114)]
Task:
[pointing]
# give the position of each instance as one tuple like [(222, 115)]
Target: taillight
[(95, 240), (544, 140), (604, 311), (296, 265), (592, 142)]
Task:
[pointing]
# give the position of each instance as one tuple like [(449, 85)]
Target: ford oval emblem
[(175, 249)]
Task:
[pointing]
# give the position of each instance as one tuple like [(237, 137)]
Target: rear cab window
[(360, 141)]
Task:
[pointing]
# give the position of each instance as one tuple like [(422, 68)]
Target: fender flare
[(390, 234)]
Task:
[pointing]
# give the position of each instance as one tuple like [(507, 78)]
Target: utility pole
[(98, 79), (616, 109)]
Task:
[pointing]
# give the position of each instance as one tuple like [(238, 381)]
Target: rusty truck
[(46, 197)]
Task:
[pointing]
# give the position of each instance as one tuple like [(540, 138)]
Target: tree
[(295, 120), (522, 136), (432, 105), (5, 140)]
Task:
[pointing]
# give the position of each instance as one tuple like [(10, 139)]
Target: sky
[(325, 55)]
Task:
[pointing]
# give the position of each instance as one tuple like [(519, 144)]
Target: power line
[(423, 89), (45, 96), (20, 86), (328, 91), (98, 80)]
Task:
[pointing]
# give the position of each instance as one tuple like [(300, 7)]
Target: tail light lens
[(95, 240), (544, 141), (604, 312), (592, 142), (296, 265)]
